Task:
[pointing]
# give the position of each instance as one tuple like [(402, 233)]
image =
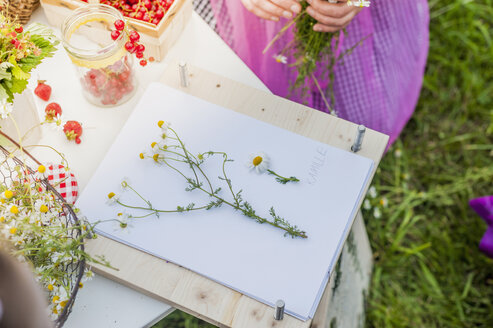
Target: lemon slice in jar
[(108, 55)]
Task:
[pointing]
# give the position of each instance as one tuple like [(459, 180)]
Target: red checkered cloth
[(64, 182)]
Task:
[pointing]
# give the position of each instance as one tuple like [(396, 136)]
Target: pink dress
[(379, 83)]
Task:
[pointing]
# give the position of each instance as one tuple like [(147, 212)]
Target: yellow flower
[(55, 298), (259, 162), (81, 285), (156, 157), (2, 219), (63, 303), (43, 208), (13, 230), (50, 287), (141, 155), (153, 144), (111, 195), (8, 194), (41, 169), (160, 124), (14, 209)]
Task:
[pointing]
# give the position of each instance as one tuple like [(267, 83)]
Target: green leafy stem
[(172, 154)]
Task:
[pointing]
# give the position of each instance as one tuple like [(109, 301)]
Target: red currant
[(139, 55), (143, 62), (119, 25), (134, 36), (130, 47), (140, 47), (115, 34), (20, 29)]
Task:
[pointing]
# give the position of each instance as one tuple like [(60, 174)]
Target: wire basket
[(21, 10), (73, 270)]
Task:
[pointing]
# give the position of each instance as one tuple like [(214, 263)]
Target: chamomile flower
[(125, 183), (13, 209), (398, 153), (164, 128), (384, 202), (158, 147), (57, 123), (281, 59), (372, 192), (122, 222), (7, 194), (367, 204), (377, 214), (112, 198), (258, 162)]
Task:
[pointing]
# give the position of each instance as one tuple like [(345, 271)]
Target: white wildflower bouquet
[(44, 231)]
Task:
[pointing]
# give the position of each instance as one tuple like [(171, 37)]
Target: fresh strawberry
[(52, 110), (73, 131), (43, 90)]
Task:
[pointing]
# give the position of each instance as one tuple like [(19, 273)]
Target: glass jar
[(104, 67)]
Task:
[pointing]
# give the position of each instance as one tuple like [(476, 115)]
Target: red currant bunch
[(132, 45)]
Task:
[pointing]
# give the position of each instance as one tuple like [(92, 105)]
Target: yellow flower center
[(164, 136), (43, 208), (14, 210), (156, 157), (141, 155), (50, 287), (81, 285), (160, 123), (200, 157), (153, 144), (55, 311), (123, 225), (2, 219), (63, 303), (257, 160), (13, 230), (8, 194), (55, 298), (278, 59), (41, 169), (111, 195)]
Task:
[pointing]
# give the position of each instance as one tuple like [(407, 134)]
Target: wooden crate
[(158, 40)]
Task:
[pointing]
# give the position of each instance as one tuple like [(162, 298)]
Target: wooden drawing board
[(190, 291)]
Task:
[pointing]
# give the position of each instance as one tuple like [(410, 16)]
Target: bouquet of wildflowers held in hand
[(309, 47), (21, 50)]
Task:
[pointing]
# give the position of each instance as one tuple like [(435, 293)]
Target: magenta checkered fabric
[(377, 85)]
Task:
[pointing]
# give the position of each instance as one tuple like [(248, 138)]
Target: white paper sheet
[(221, 243)]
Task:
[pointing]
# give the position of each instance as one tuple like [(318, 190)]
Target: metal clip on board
[(279, 310), (359, 138), (184, 82)]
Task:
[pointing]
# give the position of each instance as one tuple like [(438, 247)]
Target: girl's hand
[(331, 17), (272, 9)]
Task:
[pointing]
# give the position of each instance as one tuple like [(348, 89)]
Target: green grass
[(428, 270)]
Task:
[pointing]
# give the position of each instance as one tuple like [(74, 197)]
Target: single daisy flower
[(258, 162), (372, 192), (367, 204), (281, 59), (112, 198), (377, 213), (384, 202), (125, 183), (7, 194), (122, 222)]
